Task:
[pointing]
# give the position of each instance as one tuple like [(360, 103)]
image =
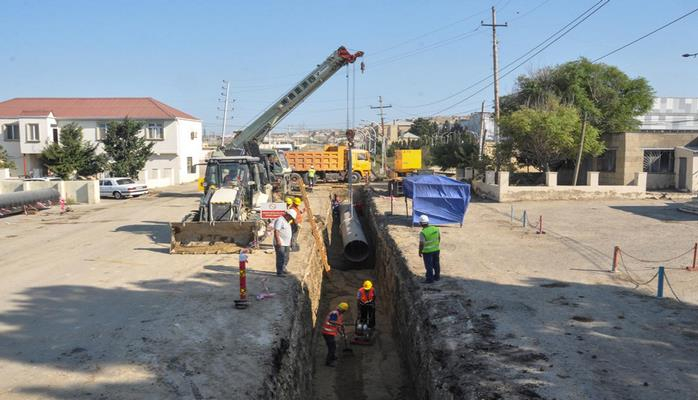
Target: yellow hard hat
[(297, 201), (368, 285), (289, 201), (343, 306)]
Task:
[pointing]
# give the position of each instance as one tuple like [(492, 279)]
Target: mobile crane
[(240, 177)]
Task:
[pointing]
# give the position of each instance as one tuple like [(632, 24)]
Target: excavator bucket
[(223, 237)]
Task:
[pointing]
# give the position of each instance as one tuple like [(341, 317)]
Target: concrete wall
[(86, 192), (502, 192), (691, 182)]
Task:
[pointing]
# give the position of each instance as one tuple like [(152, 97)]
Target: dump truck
[(239, 178), (407, 162), (330, 164)]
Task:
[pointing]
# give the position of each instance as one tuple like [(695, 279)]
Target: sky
[(420, 55)]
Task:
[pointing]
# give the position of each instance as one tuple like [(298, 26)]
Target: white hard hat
[(423, 219), (292, 213)]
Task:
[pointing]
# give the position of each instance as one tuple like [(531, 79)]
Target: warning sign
[(272, 210)]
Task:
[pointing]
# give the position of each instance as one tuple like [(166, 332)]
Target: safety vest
[(366, 296), (332, 328), (311, 173), (431, 239), (299, 215)]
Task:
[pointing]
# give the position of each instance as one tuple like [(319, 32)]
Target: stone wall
[(503, 192)]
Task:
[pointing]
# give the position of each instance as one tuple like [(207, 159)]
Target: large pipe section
[(353, 238), (29, 197)]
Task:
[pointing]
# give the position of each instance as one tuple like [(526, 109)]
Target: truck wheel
[(355, 177), (306, 179)]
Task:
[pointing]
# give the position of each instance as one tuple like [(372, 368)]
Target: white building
[(30, 124)]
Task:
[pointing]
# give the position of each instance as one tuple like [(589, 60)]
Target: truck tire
[(306, 179), (355, 177)]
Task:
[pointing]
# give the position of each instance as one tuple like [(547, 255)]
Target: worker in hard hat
[(296, 225), (366, 303), (311, 176), (333, 326), (429, 241), (289, 202), (282, 240)]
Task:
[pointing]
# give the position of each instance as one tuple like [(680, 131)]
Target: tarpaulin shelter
[(442, 199)]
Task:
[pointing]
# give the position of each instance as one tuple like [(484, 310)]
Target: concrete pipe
[(19, 199), (353, 238)]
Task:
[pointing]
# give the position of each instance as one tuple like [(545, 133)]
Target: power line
[(646, 35), (550, 37), (563, 34)]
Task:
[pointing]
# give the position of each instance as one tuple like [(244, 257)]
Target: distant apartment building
[(28, 125), (394, 129), (665, 145)]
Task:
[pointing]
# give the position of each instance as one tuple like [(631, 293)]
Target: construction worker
[(311, 176), (333, 326), (296, 226), (282, 240), (429, 240), (366, 302), (289, 202)]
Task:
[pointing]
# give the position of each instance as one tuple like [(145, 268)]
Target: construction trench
[(400, 364)]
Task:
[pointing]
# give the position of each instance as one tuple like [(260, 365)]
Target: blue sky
[(417, 52)]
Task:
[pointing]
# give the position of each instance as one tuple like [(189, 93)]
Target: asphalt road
[(93, 306)]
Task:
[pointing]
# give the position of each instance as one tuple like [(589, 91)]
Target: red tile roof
[(89, 108)]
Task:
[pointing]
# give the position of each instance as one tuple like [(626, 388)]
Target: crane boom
[(253, 134)]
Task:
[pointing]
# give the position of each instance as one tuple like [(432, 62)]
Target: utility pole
[(383, 143), (481, 144), (226, 87), (495, 65)]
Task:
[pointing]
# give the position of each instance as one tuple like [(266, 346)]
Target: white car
[(119, 188)]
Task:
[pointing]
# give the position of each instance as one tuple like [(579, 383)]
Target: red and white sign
[(272, 210)]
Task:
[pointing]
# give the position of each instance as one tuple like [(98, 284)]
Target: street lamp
[(689, 55)]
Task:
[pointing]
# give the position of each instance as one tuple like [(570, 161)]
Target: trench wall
[(292, 364)]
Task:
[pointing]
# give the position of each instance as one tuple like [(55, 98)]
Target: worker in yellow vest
[(429, 240), (311, 176)]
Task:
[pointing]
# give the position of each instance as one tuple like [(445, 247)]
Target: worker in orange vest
[(333, 326), (296, 226), (366, 301)]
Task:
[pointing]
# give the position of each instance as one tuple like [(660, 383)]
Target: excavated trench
[(369, 372)]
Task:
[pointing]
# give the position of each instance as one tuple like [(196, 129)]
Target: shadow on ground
[(157, 231), (667, 213), (193, 195), (158, 339)]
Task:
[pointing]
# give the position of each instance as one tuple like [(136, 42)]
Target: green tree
[(424, 128), (128, 151), (5, 160), (456, 155), (610, 99), (547, 135), (72, 155)]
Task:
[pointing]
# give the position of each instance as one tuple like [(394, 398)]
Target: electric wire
[(646, 35), (550, 37)]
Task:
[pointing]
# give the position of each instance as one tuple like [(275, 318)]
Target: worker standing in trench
[(366, 301), (333, 326), (429, 240), (296, 226), (282, 240)]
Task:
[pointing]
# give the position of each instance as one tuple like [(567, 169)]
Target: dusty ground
[(545, 313), (369, 372), (93, 306)]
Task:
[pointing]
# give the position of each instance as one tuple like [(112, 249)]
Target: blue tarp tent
[(443, 200)]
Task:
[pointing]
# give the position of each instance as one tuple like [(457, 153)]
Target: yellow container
[(408, 160)]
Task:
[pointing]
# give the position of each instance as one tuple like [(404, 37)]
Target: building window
[(658, 161), (607, 161), (190, 165), (101, 131), (154, 132), (11, 131), (32, 132)]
